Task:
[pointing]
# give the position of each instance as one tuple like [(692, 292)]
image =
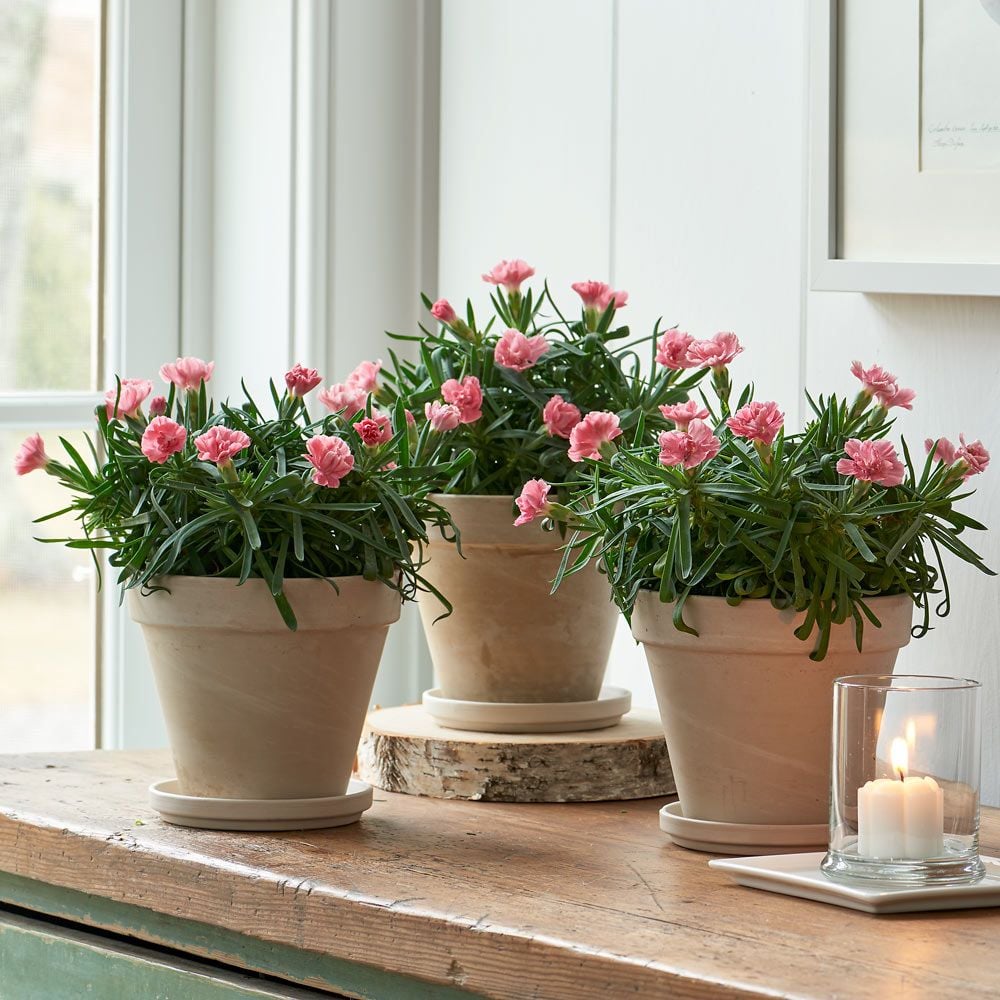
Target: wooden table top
[(501, 900)]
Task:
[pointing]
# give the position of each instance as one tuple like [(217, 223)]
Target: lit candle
[(900, 817)]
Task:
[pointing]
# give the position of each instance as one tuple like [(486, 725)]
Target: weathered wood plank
[(42, 960), (405, 750), (555, 901), (332, 976)]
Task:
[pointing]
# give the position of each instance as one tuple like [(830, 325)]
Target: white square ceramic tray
[(799, 875)]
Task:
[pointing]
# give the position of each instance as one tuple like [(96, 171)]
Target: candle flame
[(899, 755)]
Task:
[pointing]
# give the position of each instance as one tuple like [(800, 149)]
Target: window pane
[(48, 170), (46, 612)]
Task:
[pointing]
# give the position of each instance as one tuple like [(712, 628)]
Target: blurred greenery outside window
[(49, 345)]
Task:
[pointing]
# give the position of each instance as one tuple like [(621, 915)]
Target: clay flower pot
[(509, 639), (253, 710), (747, 714)]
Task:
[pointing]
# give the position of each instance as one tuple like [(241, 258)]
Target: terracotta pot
[(254, 710), (508, 639), (747, 715)]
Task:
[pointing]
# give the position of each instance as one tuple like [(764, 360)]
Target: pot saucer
[(529, 717), (741, 838), (207, 813)]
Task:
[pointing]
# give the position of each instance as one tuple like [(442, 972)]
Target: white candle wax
[(881, 819), (924, 810), (900, 819)]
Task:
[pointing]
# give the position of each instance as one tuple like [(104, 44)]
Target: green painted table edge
[(241, 951)]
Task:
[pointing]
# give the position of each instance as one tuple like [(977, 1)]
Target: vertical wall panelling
[(253, 167), (383, 212), (659, 143), (948, 349), (527, 148), (526, 104), (709, 189), (141, 279), (197, 178), (311, 185), (323, 227)]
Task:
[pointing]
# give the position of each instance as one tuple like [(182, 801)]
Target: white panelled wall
[(322, 210), (662, 145), (307, 214), (340, 157)]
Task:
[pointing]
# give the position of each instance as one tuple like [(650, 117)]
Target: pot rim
[(471, 496), (486, 520), (220, 602), (751, 601), (755, 625)]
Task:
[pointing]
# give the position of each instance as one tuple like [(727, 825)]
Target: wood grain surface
[(501, 900), (405, 750), (38, 960)]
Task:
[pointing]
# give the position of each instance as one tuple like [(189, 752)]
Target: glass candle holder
[(904, 806)]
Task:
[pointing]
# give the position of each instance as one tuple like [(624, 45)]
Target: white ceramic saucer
[(800, 875), (529, 717), (739, 838), (259, 814)]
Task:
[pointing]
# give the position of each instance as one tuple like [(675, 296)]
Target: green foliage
[(53, 341), (590, 362), (263, 516), (774, 522)]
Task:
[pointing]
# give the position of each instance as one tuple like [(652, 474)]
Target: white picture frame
[(828, 270)]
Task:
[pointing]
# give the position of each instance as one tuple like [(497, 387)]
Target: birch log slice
[(404, 750)]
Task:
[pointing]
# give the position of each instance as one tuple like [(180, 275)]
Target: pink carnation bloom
[(218, 444), (689, 448), (897, 397), (331, 459), (757, 422), (365, 376), (345, 397), (560, 417), (596, 429), (592, 292), (944, 450), (131, 396), (374, 430), (162, 438), (533, 501), (510, 274), (187, 373), (519, 353), (716, 352), (974, 456), (599, 295), (466, 395), (682, 414), (443, 312), (672, 349), (301, 380), (872, 462), (158, 406), (31, 455), (875, 381), (442, 416)]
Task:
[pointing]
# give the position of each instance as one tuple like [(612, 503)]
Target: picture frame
[(829, 269)]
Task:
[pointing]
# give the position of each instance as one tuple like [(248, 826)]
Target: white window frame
[(141, 287), (175, 263), (136, 249)]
